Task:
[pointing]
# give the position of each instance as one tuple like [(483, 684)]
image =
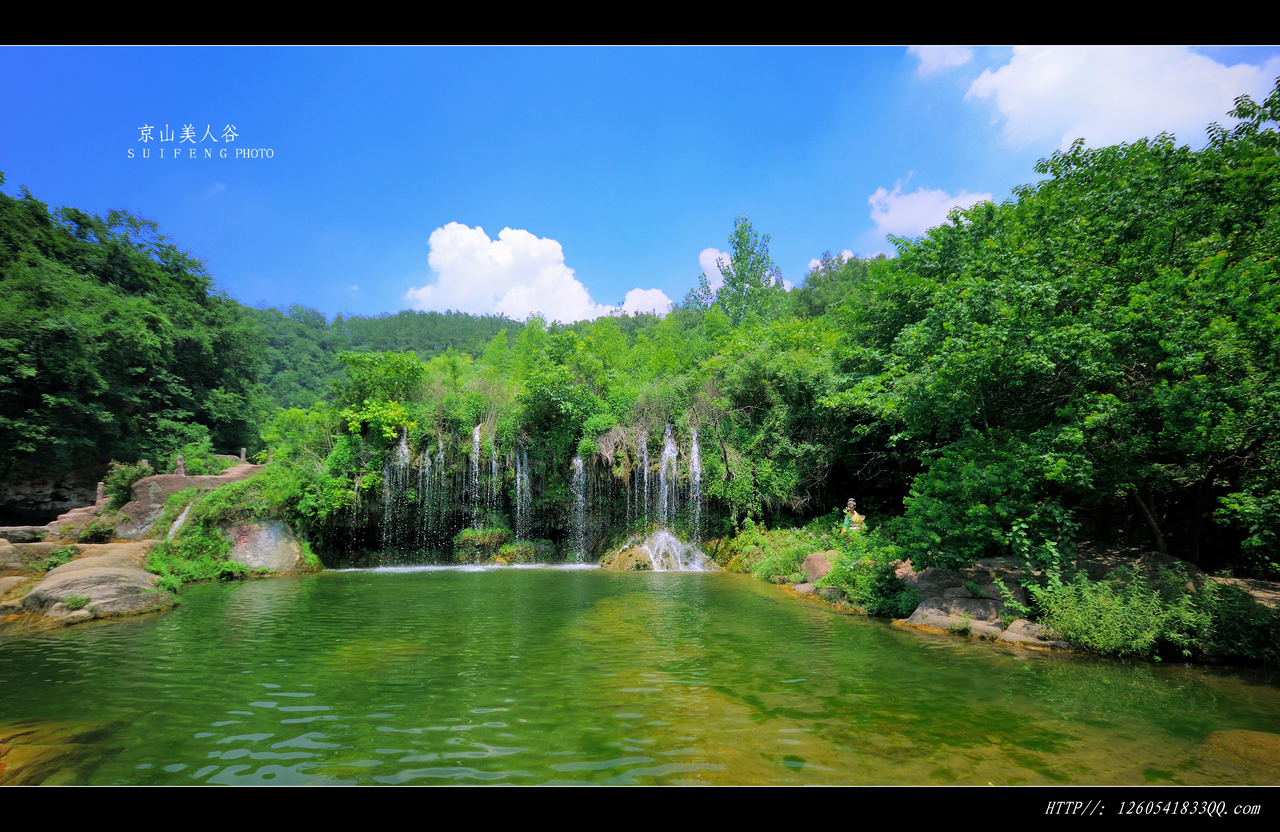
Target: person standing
[(853, 521)]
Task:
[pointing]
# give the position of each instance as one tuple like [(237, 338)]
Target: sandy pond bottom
[(532, 676)]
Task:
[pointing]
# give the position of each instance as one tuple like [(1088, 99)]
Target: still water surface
[(532, 676)]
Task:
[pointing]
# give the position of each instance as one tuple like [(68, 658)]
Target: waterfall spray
[(475, 478), (695, 486), (578, 486)]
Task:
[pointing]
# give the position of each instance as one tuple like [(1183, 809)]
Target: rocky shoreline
[(49, 578), (969, 603)]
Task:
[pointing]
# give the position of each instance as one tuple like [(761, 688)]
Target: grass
[(58, 557), (75, 602)]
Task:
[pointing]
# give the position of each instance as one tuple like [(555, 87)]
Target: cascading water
[(642, 445), (396, 473), (424, 498), (695, 486), (524, 495), (492, 500), (661, 550), (475, 478), (667, 480), (578, 487)]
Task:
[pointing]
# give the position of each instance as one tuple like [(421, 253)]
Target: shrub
[(59, 556), (1121, 615), (479, 544), (99, 530), (522, 551), (75, 602), (864, 570), (119, 481), (766, 553)]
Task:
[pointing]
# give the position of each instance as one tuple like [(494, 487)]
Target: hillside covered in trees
[(1093, 359)]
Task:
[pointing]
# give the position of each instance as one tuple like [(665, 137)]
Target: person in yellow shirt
[(853, 521)]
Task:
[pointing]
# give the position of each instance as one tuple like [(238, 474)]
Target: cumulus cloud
[(516, 275), (707, 259), (353, 288), (937, 58), (1112, 94), (654, 301), (912, 214)]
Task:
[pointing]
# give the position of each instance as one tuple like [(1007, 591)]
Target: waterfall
[(395, 482), (475, 478), (578, 486), (355, 517), (493, 501), (524, 495), (695, 486), (667, 481), (424, 498), (642, 504)]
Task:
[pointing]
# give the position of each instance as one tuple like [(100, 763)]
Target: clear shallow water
[(534, 676)]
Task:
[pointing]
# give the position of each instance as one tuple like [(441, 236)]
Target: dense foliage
[(1094, 358)]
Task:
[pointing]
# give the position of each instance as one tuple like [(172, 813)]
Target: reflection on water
[(473, 675)]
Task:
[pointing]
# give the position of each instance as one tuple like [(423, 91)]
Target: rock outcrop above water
[(139, 516), (265, 546), (104, 580)]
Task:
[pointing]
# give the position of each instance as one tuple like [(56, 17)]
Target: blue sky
[(566, 181)]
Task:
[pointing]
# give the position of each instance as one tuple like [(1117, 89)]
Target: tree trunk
[(1148, 511)]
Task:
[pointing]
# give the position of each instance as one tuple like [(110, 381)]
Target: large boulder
[(105, 580), (265, 546), (817, 565)]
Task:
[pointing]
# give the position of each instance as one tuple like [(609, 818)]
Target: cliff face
[(35, 501)]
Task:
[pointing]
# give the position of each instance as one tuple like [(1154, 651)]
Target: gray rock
[(980, 609), (1030, 634), (817, 565), (933, 619), (265, 546), (803, 589)]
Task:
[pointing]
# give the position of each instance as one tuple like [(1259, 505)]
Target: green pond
[(545, 675)]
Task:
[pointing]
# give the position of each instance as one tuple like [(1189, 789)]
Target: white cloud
[(787, 285), (647, 300), (707, 259), (912, 214), (516, 275), (1112, 94), (936, 58), (815, 262), (353, 288)]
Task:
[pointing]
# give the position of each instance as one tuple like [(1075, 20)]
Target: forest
[(1093, 359)]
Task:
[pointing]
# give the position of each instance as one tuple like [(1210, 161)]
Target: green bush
[(1123, 615), (75, 602), (864, 570), (765, 553), (522, 551), (479, 544), (119, 481), (198, 459), (59, 556), (99, 530)]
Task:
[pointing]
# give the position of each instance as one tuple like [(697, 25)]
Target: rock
[(634, 559), (831, 594), (817, 565), (1000, 563), (138, 517), (109, 575), (803, 589), (1258, 750), (779, 579), (935, 619), (1029, 634), (11, 583), (265, 546), (9, 556), (980, 609), (24, 534)]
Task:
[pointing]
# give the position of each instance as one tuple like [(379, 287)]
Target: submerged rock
[(660, 552)]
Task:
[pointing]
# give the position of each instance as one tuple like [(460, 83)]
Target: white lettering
[(193, 153), (223, 153), (131, 153), (146, 153)]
